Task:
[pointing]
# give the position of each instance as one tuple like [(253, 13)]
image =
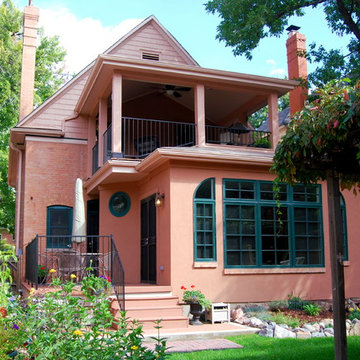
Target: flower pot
[(195, 311)]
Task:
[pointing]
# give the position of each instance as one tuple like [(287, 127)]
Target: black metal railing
[(238, 137), (117, 276), (140, 137), (95, 158), (73, 255)]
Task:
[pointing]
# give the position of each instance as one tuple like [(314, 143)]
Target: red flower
[(192, 286), (3, 312), (108, 279), (42, 268), (183, 287)]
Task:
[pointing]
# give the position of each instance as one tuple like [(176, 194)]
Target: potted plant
[(197, 300), (95, 285), (42, 273)]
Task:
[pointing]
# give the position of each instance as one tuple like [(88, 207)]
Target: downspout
[(18, 198)]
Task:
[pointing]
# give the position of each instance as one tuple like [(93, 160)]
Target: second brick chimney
[(31, 17), (297, 68)]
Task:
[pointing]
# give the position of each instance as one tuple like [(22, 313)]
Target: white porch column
[(273, 119), (200, 137), (116, 114), (102, 129)]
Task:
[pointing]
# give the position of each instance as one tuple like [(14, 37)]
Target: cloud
[(271, 61), (84, 39), (278, 72)]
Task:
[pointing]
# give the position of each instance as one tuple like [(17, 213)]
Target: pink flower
[(336, 124)]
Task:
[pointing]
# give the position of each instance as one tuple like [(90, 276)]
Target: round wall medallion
[(119, 204)]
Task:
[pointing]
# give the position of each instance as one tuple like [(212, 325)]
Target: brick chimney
[(31, 17), (297, 67)]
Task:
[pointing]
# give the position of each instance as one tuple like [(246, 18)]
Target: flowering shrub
[(354, 313), (42, 271), (195, 296)]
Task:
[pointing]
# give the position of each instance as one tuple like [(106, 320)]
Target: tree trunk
[(337, 270)]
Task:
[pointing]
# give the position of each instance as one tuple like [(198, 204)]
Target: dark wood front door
[(92, 245), (148, 240)]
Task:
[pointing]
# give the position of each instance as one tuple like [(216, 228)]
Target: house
[(174, 181)]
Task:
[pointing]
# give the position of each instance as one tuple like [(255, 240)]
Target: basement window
[(150, 56)]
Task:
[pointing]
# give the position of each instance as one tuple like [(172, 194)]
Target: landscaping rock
[(236, 314), (309, 327), (317, 334), (329, 332), (281, 333), (267, 330), (255, 322), (303, 334), (355, 327), (327, 322)]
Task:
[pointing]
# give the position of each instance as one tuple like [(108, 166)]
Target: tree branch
[(299, 6), (348, 19)]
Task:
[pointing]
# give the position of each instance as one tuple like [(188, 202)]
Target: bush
[(312, 309), (254, 309), (59, 326), (280, 318), (354, 314), (295, 303), (278, 305)]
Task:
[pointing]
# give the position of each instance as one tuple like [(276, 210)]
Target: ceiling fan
[(173, 90)]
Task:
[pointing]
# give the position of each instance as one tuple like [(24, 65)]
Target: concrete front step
[(150, 303)]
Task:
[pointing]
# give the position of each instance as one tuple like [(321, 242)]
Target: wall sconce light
[(159, 199)]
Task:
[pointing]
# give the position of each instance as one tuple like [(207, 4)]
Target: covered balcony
[(135, 108)]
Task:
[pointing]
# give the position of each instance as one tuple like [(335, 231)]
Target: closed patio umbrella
[(79, 224)]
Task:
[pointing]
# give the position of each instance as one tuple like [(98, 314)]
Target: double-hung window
[(260, 233), (204, 221)]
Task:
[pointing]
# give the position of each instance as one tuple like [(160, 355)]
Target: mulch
[(305, 318), (198, 345)]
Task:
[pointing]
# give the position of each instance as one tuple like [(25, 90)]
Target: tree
[(323, 143), (245, 22), (49, 57)]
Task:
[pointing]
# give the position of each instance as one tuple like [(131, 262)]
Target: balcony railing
[(140, 137), (73, 255), (238, 137)]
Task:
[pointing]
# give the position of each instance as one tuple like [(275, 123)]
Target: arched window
[(204, 221), (59, 226), (344, 227)]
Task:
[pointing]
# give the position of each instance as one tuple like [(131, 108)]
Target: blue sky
[(88, 27)]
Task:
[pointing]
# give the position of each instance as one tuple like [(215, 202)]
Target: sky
[(88, 27)]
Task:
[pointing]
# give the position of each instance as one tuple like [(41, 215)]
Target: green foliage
[(195, 296), (280, 318), (323, 136), (354, 314), (49, 57), (7, 254), (59, 325), (278, 305), (312, 309), (245, 22), (295, 303), (94, 285)]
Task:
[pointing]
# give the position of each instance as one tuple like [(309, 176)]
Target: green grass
[(260, 348)]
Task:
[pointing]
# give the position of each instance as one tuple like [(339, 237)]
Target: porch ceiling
[(226, 93)]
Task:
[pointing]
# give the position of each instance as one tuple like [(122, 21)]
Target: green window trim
[(59, 226), (253, 236), (204, 221)]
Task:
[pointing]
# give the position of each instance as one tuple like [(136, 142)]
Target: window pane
[(233, 258), (247, 212), (205, 190), (248, 258), (59, 222), (248, 242), (233, 243), (267, 192), (239, 190), (232, 211), (232, 227), (248, 227)]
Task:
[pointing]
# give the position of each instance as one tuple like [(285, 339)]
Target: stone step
[(149, 301), (158, 311)]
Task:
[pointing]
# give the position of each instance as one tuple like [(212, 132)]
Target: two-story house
[(172, 170)]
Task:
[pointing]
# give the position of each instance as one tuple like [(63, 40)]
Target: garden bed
[(305, 318)]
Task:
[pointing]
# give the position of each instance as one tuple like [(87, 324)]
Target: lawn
[(260, 348)]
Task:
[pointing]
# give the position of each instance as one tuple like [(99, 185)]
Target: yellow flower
[(134, 347), (32, 291), (351, 309), (72, 276), (52, 271), (78, 333)]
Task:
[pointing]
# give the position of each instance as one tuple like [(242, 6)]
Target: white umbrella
[(79, 225)]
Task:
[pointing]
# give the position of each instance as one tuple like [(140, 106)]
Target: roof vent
[(150, 56)]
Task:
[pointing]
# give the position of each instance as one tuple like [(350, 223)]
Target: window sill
[(238, 271), (346, 263), (205, 265)]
